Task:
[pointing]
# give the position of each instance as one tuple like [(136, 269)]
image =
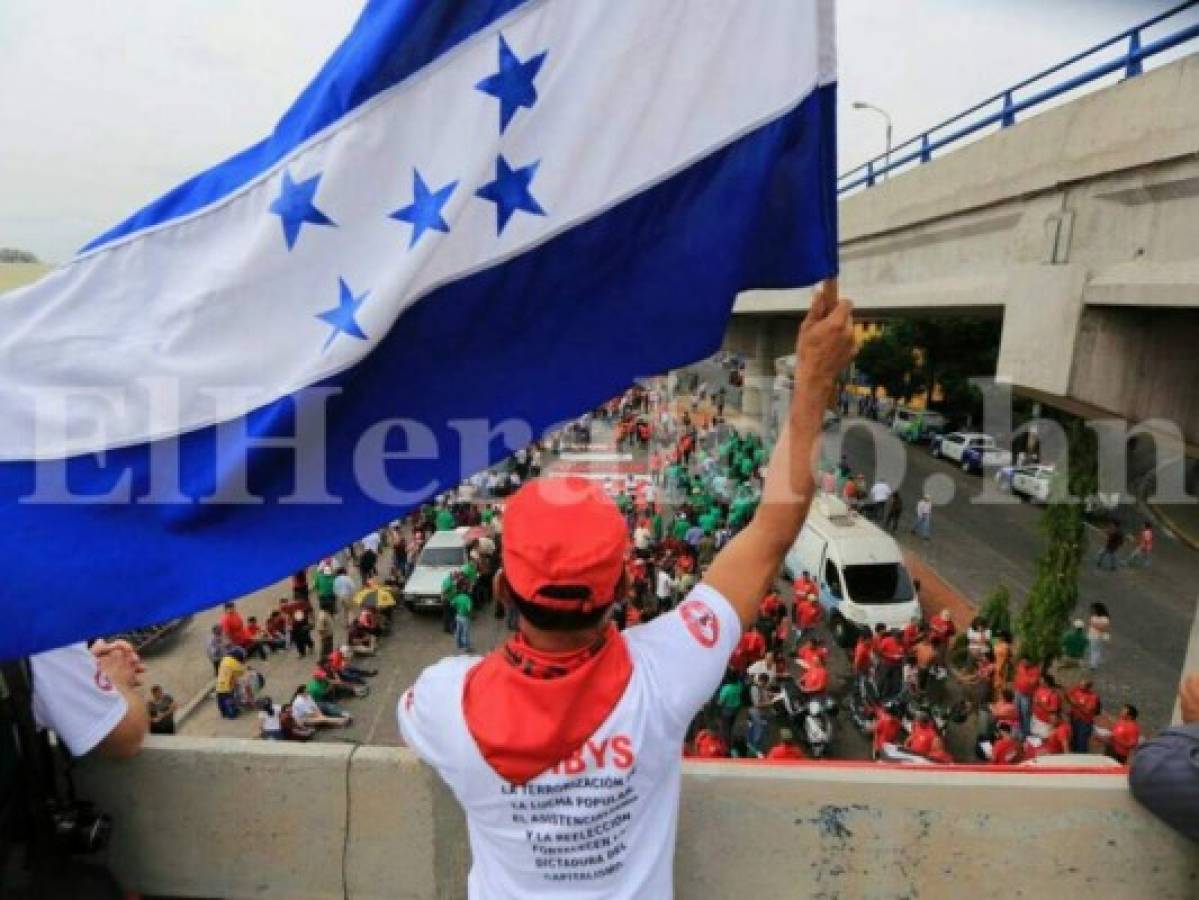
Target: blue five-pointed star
[(512, 85), (341, 317), (425, 212), (295, 206), (510, 192)]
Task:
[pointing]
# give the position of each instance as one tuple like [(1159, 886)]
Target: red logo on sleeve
[(701, 622)]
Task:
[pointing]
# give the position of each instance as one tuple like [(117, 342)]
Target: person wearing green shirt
[(710, 521), (680, 527), (445, 520), (461, 605), (1074, 643), (323, 584), (319, 689), (487, 515), (655, 526), (728, 698)]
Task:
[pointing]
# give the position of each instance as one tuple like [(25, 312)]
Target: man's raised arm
[(746, 568)]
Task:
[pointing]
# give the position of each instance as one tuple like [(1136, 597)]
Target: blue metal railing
[(921, 148)]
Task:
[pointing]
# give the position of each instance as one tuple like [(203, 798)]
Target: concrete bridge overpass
[(1080, 227)]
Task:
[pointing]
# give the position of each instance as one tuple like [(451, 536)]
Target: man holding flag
[(571, 710)]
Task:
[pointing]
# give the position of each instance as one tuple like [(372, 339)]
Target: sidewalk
[(937, 594)]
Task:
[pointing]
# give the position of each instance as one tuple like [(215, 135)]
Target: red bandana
[(528, 709)]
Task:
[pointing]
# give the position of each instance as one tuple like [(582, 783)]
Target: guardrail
[(921, 148)]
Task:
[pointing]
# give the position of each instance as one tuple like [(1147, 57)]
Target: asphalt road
[(978, 544)]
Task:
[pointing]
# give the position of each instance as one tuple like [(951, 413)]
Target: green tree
[(1054, 593), (996, 609), (888, 361)]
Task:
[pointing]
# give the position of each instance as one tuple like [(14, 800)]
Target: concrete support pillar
[(759, 371)]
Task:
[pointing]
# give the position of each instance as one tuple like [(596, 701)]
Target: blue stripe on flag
[(392, 40), (642, 288)]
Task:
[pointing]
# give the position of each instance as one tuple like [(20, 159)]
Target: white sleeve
[(685, 652), (423, 708), (74, 698)]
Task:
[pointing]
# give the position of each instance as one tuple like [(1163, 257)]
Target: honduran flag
[(482, 218)]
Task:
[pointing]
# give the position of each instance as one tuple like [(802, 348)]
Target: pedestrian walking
[(1099, 632), (1141, 553), (892, 510), (922, 527), (1112, 541)]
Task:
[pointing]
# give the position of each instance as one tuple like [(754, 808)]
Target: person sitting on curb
[(312, 713)]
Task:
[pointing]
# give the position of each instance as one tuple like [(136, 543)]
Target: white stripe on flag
[(630, 92)]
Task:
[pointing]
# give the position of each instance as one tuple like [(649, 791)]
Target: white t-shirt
[(641, 538), (269, 721), (603, 824), (344, 587), (74, 698), (665, 585), (880, 493), (371, 542), (304, 707)]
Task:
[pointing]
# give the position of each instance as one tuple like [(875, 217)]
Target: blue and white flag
[(482, 218)]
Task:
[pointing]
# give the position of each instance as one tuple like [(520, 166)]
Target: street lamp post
[(861, 104)]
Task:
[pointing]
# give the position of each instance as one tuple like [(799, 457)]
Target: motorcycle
[(809, 716), (865, 698)]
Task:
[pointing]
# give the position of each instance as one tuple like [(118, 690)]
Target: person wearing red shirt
[(770, 606), (709, 745), (889, 652), (1125, 735), (911, 634), (1084, 705), (1058, 739), (748, 651), (1006, 749), (938, 753), (812, 652), (814, 681), (786, 748), (233, 627), (1003, 710), (1046, 705), (887, 728), (808, 613), (922, 736), (862, 655), (1028, 676), (804, 585), (942, 626)]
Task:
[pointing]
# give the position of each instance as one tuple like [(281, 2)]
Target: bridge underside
[(1078, 227)]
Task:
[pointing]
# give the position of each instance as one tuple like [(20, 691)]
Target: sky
[(106, 106)]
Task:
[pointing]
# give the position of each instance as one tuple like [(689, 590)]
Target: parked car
[(953, 446), (977, 458), (1033, 482), (859, 568), (444, 553), (916, 425)]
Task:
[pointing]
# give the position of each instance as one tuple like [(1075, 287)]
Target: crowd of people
[(702, 484), (366, 611)]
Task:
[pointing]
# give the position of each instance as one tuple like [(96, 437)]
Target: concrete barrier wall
[(221, 818)]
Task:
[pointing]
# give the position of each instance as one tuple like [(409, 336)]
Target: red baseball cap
[(564, 544)]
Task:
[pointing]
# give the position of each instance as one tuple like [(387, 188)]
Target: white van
[(862, 577)]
